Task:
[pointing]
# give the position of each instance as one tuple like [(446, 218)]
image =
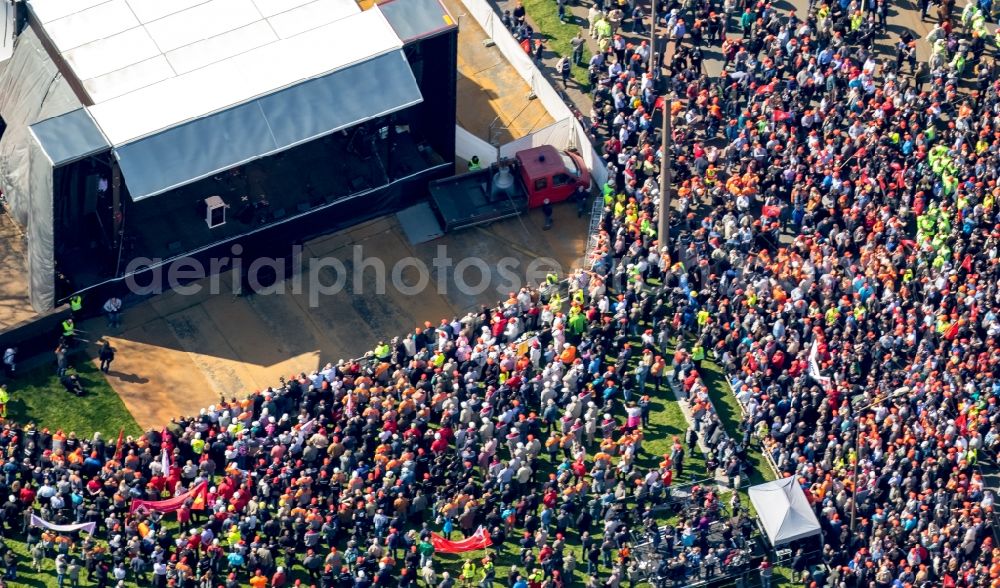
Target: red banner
[(199, 494), (478, 540)]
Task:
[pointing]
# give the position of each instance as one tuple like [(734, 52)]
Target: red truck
[(509, 187)]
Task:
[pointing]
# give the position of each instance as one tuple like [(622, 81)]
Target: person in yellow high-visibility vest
[(555, 303), (489, 573), (698, 354), (468, 573), (4, 399), (68, 330), (703, 318), (75, 305)]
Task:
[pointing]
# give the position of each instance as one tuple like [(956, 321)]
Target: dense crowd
[(512, 419), (836, 252)]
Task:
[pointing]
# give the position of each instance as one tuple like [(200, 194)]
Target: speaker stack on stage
[(215, 212)]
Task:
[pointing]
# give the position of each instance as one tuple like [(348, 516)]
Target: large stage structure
[(147, 129)]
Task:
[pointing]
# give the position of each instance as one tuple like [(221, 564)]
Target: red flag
[(765, 89), (118, 446), (967, 262), (478, 540), (200, 497), (198, 494)]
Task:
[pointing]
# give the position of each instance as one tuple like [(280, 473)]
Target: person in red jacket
[(279, 579)]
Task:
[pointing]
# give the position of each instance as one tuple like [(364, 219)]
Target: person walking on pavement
[(113, 310), (565, 67), (547, 211), (593, 16), (578, 43), (106, 355), (581, 201)]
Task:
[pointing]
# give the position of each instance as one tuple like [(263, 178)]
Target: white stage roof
[(149, 65)]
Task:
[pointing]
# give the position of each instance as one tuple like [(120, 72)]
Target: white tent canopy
[(184, 89), (149, 65), (784, 511)]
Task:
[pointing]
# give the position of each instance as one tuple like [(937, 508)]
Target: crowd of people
[(835, 250), (526, 420), (706, 542)]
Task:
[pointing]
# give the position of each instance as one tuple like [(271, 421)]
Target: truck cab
[(508, 188), (548, 173)]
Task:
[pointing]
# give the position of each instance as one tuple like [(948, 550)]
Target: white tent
[(784, 511)]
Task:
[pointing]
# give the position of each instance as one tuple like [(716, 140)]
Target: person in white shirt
[(113, 308)]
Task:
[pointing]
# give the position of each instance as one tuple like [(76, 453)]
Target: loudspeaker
[(215, 212)]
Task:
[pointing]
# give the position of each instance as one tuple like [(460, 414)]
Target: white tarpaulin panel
[(269, 8), (201, 22), (31, 90), (127, 79), (279, 121), (150, 10), (148, 65), (55, 9), (784, 511), (468, 146), (245, 76), (113, 53), (209, 51), (99, 22), (309, 16)]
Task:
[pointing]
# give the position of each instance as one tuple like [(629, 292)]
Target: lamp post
[(663, 227), (857, 448), (652, 40)]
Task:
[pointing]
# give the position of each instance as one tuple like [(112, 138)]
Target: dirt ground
[(489, 87), (178, 353)]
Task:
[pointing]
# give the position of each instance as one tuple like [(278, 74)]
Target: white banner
[(37, 521), (557, 134), (814, 372), (467, 145)]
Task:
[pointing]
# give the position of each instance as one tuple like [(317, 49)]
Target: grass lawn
[(544, 14), (36, 396), (729, 412)]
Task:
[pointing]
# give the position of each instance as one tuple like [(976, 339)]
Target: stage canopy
[(69, 137), (184, 89), (267, 125), (180, 90), (784, 511)]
